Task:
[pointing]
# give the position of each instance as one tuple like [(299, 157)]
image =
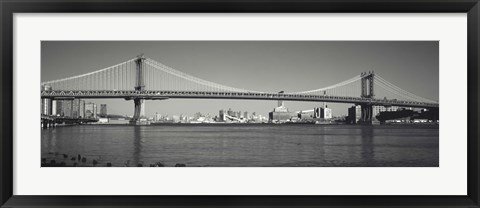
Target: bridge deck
[(165, 94)]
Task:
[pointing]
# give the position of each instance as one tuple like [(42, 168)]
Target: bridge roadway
[(166, 94)]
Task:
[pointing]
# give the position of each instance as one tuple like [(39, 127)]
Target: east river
[(231, 145)]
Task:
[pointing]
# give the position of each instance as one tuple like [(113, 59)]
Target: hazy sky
[(269, 66)]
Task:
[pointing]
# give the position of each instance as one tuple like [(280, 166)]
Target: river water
[(245, 145)]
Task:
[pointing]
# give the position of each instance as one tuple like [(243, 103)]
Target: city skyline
[(79, 108), (286, 64)]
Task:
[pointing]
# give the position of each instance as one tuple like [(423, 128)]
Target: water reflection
[(248, 146), (368, 146), (138, 135)]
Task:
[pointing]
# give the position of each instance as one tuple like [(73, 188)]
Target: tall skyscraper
[(54, 107), (76, 108), (82, 109)]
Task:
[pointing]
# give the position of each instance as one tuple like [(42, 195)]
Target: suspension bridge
[(142, 78)]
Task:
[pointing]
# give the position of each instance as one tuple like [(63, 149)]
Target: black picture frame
[(9, 7)]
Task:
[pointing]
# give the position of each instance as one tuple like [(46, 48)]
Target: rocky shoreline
[(55, 159)]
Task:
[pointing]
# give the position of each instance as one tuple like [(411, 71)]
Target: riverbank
[(55, 159)]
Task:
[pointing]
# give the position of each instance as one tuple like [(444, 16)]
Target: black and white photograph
[(206, 104)]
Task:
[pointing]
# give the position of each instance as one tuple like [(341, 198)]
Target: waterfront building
[(46, 104), (378, 109), (67, 108), (82, 109), (54, 107), (316, 113), (90, 110), (103, 110), (306, 115), (354, 114), (59, 108), (280, 114), (76, 107), (118, 121), (326, 113)]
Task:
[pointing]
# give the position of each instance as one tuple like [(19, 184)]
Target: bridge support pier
[(139, 111), (367, 114)]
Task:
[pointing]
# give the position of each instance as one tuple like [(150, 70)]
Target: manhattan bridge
[(142, 78)]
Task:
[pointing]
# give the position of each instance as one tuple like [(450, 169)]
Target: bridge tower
[(367, 92), (139, 111)]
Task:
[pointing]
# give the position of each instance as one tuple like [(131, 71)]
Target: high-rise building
[(76, 107), (245, 115), (67, 108), (326, 113), (142, 110), (354, 114), (46, 104), (316, 112), (90, 110), (59, 108), (221, 116), (46, 108), (54, 107), (82, 109), (103, 110)]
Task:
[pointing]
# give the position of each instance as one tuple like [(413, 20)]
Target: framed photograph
[(239, 103)]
